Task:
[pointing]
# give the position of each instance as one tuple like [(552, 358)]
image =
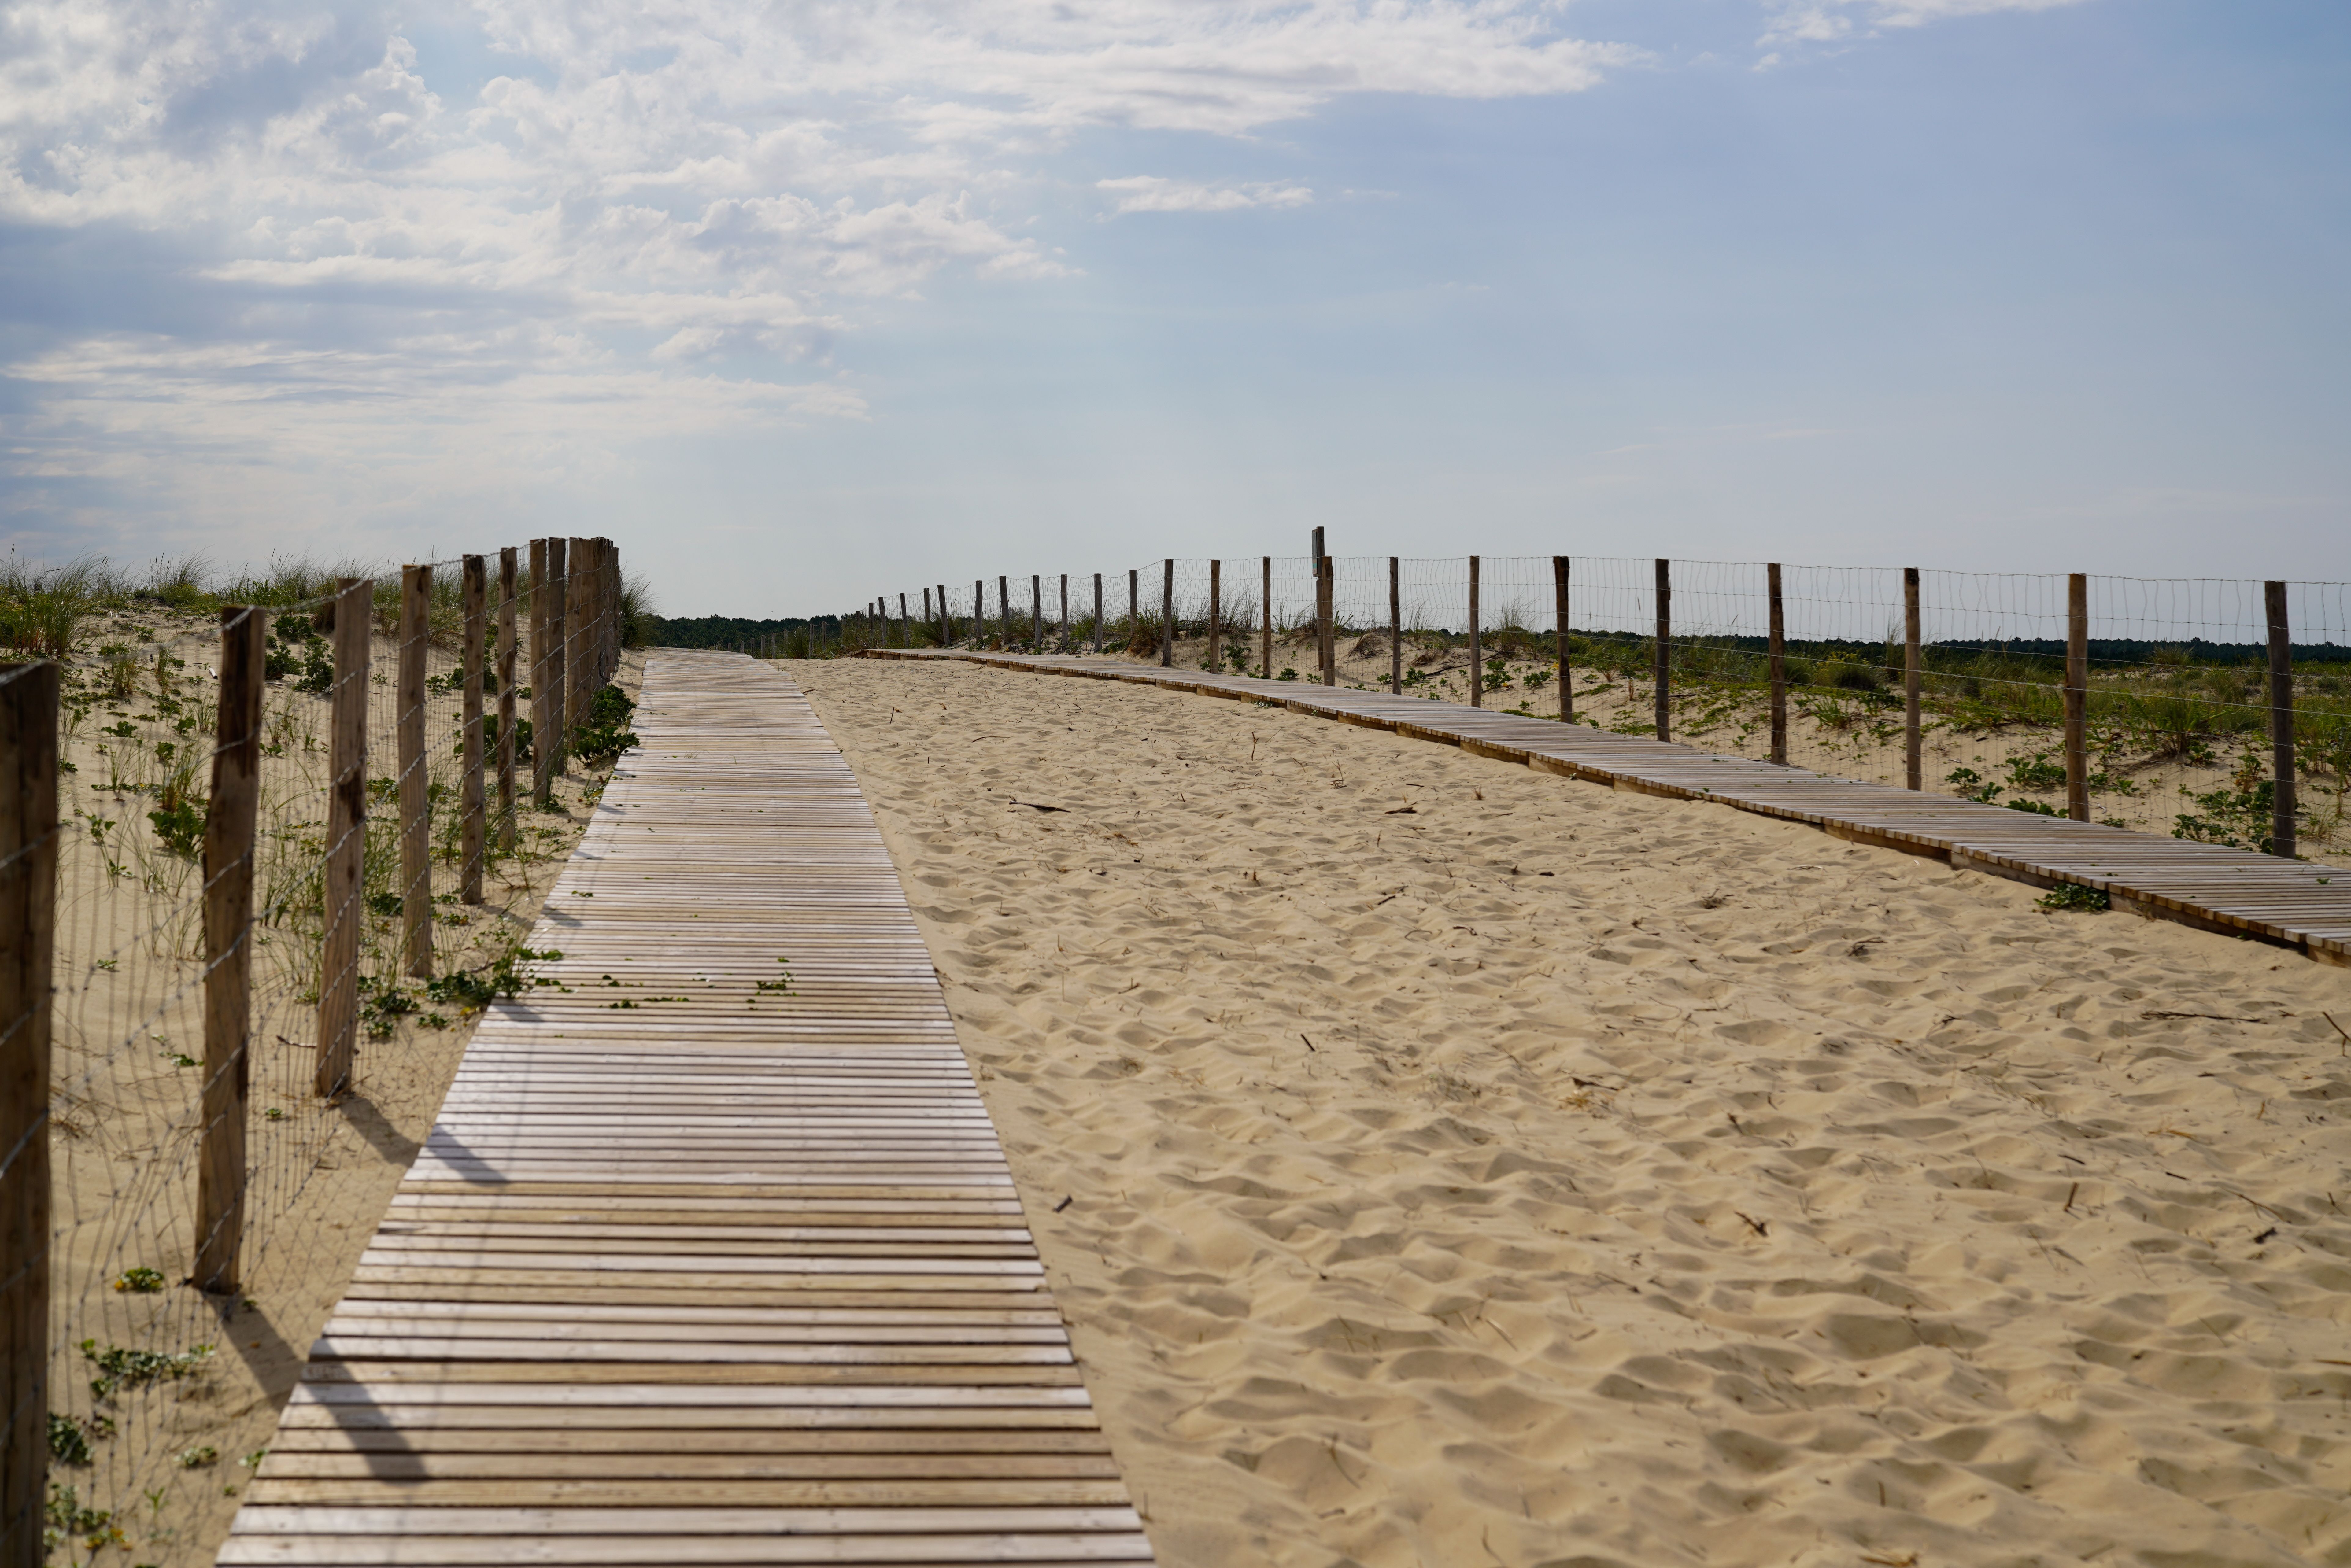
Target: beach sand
[(1442, 1163)]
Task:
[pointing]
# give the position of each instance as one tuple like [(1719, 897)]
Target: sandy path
[(1548, 1175)]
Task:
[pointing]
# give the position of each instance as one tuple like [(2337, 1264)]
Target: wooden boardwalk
[(694, 1268), (2296, 903)]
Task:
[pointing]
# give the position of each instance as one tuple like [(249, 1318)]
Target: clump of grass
[(2073, 895), (120, 1367)]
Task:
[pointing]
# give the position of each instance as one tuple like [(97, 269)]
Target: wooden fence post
[(540, 729), (1395, 626), (506, 698), (28, 882), (1265, 671), (929, 620), (1664, 648), (1779, 667), (945, 621), (613, 617), (344, 905), (1215, 612), (1167, 618), (1326, 597), (415, 796), (1559, 585), (1913, 760), (2281, 834), (1476, 648), (228, 951), (1065, 614), (978, 611), (1037, 612), (547, 742), (474, 665), (604, 600), (579, 664), (2077, 696), (1098, 612), (1004, 611)]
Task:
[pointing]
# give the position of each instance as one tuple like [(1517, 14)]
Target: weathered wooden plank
[(724, 1275)]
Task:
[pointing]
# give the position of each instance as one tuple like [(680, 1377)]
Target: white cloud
[(1826, 21), (1151, 193), (657, 195)]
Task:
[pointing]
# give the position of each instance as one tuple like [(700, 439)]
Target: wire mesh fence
[(236, 1048), (2175, 727)]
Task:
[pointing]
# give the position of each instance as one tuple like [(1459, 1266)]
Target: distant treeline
[(733, 631)]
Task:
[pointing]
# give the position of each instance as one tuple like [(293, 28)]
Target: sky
[(801, 301)]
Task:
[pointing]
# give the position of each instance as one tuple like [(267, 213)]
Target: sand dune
[(1465, 1165)]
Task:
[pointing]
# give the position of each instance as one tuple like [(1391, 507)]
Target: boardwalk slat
[(724, 1275)]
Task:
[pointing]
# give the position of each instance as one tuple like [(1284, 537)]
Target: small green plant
[(69, 1520), (197, 1458), (70, 1436), (2037, 808), (2073, 895), (120, 1367), (142, 1281), (605, 732), (2034, 770), (783, 983), (470, 990), (1497, 673), (180, 824), (1287, 673), (2240, 814), (274, 1113), (381, 1006)]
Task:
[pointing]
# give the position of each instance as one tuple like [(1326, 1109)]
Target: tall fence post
[(548, 743), (1566, 676), (1098, 612), (578, 662), (1265, 607), (541, 731), (1216, 659), (1476, 642), (1779, 667), (506, 698), (28, 882), (1037, 612), (472, 799), (608, 611), (344, 884), (2077, 696), (1326, 574), (906, 621), (2281, 836), (978, 611), (1663, 677), (1395, 626), (1913, 760), (1004, 611), (415, 797), (945, 621), (929, 620), (1167, 617), (1065, 614), (229, 820)]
